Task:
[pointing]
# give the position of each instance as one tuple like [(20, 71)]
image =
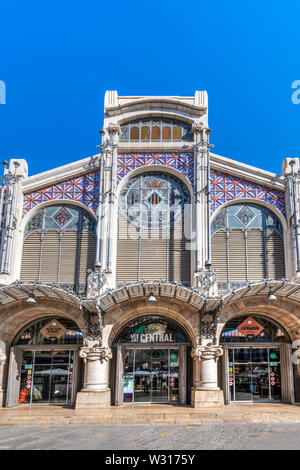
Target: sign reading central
[(151, 338)]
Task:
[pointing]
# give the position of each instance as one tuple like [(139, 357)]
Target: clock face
[(154, 200)]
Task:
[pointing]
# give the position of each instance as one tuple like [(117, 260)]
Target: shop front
[(44, 366), (151, 362), (257, 361)]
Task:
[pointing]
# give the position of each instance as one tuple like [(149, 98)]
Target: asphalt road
[(234, 436)]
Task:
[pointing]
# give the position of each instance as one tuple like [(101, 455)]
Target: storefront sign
[(53, 330), (152, 338), (250, 327)]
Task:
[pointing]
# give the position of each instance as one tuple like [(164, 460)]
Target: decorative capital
[(197, 127), (114, 128), (206, 353), (95, 354)]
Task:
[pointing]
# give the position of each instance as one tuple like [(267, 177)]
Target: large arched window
[(59, 246), (153, 229), (156, 129), (247, 245)]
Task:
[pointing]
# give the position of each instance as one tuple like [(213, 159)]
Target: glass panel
[(152, 329), (177, 133), (128, 375), (42, 382), (255, 379), (230, 374), (259, 355), (260, 381), (151, 375), (145, 134), (59, 384), (160, 376), (174, 375), (264, 330), (134, 133), (142, 375), (155, 133), (242, 374), (31, 334), (166, 133), (275, 375), (46, 376), (26, 377)]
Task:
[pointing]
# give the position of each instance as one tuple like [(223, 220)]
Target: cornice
[(156, 103)]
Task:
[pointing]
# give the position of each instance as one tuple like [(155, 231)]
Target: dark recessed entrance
[(257, 361), (151, 362), (44, 366)]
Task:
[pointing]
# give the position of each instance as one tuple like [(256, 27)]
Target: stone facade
[(95, 184)]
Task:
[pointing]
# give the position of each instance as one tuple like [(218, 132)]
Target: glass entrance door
[(46, 377), (151, 375), (254, 374)]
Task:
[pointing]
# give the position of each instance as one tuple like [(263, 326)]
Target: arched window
[(247, 245), (59, 246), (253, 329), (153, 231), (49, 330), (156, 130)]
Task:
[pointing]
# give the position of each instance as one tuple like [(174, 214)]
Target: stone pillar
[(95, 392), (3, 381), (291, 171), (206, 392), (11, 205)]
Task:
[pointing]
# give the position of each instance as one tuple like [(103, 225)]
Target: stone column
[(3, 381), (206, 392), (95, 392)]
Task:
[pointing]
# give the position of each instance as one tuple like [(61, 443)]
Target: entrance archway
[(44, 366), (257, 360), (152, 363)]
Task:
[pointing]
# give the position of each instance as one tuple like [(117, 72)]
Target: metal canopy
[(111, 297)]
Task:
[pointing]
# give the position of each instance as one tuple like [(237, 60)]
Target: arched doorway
[(257, 360), (44, 366), (151, 363)]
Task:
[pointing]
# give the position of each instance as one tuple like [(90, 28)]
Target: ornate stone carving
[(93, 326), (96, 279), (95, 354), (206, 280), (209, 323), (208, 352)]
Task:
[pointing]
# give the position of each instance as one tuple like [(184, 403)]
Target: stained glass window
[(154, 200), (145, 134), (134, 133), (156, 129), (177, 133), (166, 133), (155, 133), (142, 330)]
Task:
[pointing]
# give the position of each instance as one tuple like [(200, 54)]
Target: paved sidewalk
[(151, 414)]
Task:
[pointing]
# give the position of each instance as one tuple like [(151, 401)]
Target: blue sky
[(58, 58)]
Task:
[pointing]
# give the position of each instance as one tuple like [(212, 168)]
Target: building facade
[(152, 272)]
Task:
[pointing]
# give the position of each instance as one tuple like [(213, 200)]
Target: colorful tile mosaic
[(84, 189), (225, 188), (183, 162)]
